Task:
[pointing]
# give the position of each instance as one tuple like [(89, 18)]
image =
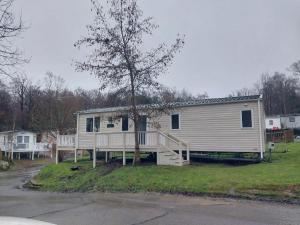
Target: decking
[(31, 148), (168, 148)]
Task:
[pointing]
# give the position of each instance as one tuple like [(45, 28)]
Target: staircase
[(166, 155)]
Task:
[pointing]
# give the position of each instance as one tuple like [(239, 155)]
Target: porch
[(17, 148), (168, 148)]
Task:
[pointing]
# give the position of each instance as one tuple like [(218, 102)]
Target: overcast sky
[(229, 43)]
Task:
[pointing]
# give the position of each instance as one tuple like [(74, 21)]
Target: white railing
[(24, 147), (126, 139), (66, 140)]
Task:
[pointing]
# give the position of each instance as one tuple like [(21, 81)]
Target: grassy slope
[(279, 179)]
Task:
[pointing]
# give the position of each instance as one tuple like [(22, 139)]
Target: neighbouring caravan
[(16, 142), (233, 124), (273, 123), (290, 121)]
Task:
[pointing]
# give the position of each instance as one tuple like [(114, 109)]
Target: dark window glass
[(97, 124), (175, 121), (125, 123), (110, 125), (270, 122), (89, 124), (246, 118)]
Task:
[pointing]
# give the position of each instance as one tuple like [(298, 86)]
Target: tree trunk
[(137, 155)]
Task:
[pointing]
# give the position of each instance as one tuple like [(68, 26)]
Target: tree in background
[(119, 58), (10, 29), (280, 93)]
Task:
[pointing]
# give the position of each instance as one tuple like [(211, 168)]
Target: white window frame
[(241, 119), (179, 120), (89, 132), (94, 124), (271, 122), (122, 125)]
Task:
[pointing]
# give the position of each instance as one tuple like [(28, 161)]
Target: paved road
[(134, 209)]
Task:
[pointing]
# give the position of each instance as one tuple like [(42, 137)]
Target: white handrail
[(172, 138)]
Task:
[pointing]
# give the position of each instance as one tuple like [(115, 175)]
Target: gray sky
[(229, 43)]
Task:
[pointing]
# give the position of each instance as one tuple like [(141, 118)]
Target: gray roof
[(208, 101)]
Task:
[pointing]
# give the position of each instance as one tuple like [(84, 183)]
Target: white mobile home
[(234, 124), (16, 142), (273, 123), (290, 121)]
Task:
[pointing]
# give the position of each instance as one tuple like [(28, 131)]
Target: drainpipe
[(260, 128)]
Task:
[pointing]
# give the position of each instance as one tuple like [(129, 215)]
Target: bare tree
[(119, 58), (10, 29)]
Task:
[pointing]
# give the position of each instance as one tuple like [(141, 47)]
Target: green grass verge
[(277, 180)]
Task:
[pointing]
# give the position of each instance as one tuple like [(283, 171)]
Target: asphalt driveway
[(133, 209)]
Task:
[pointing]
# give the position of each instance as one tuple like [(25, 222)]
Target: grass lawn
[(277, 180)]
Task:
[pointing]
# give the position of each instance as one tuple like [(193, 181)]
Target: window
[(125, 123), (26, 139), (271, 122), (110, 123), (175, 121), (292, 119), (246, 118), (89, 125), (97, 124), (19, 139)]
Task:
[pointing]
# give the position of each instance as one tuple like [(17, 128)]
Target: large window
[(26, 139), (125, 123), (175, 121), (246, 118), (271, 122), (97, 124), (89, 125), (19, 139)]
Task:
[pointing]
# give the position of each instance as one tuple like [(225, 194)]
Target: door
[(142, 130)]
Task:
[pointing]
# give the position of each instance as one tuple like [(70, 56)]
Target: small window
[(89, 124), (246, 118), (175, 121), (110, 123), (26, 139), (97, 124), (271, 122), (125, 123), (292, 119), (19, 139)]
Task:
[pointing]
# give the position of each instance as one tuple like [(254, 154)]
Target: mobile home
[(273, 123), (16, 142), (233, 124)]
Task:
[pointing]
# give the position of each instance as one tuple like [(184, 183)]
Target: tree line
[(281, 92), (48, 105)]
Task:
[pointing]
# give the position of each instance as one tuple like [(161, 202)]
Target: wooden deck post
[(32, 156), (56, 155), (75, 155), (94, 158), (188, 153), (124, 158), (105, 156), (94, 151), (180, 153), (124, 147)]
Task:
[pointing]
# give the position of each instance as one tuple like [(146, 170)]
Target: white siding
[(205, 127), (276, 123)]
